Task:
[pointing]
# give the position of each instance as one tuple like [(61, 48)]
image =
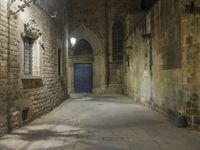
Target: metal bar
[(20, 7)]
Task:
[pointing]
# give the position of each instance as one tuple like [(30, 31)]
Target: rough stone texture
[(135, 65), (16, 93), (160, 66), (164, 58), (101, 122), (191, 52), (92, 20), (166, 47)]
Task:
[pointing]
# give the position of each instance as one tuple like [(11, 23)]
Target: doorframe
[(73, 74)]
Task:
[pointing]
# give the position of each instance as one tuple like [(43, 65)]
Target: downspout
[(151, 64), (151, 71), (148, 37), (107, 44), (67, 49)]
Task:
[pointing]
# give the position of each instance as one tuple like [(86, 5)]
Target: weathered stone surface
[(161, 57), (93, 21), (163, 69), (96, 122), (14, 94)]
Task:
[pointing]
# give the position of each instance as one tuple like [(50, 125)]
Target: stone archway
[(98, 60)]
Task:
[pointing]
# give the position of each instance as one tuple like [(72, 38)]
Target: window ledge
[(31, 77), (31, 82)]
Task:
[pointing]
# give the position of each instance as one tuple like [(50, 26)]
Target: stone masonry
[(160, 66), (163, 52), (17, 92), (94, 18)]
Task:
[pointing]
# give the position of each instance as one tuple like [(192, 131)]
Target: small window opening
[(59, 62), (25, 113)]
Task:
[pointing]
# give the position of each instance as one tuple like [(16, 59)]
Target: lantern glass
[(73, 41)]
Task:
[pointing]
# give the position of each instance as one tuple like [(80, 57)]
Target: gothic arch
[(83, 33), (83, 48), (97, 59)]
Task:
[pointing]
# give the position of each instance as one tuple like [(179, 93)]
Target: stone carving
[(32, 30), (32, 27)]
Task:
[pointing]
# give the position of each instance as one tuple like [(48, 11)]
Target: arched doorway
[(83, 67), (97, 59)]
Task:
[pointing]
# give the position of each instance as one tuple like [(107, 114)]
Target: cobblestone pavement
[(107, 122)]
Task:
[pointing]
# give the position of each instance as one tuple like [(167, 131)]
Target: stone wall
[(3, 69), (136, 65), (87, 21), (166, 56), (93, 18), (190, 64), (162, 59), (18, 92)]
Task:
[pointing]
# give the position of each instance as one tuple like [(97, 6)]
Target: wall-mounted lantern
[(73, 41), (55, 13)]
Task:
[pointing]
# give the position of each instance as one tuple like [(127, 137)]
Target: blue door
[(83, 78)]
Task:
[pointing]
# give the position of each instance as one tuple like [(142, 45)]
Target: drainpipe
[(107, 44), (148, 37), (151, 71)]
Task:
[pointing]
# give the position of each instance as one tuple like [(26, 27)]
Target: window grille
[(28, 55)]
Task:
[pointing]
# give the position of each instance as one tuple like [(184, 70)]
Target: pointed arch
[(84, 33), (83, 47)]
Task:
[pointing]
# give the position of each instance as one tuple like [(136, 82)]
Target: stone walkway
[(92, 122)]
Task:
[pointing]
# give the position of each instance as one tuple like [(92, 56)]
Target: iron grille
[(28, 55)]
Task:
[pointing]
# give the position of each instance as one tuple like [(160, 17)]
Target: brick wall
[(17, 93), (4, 88)]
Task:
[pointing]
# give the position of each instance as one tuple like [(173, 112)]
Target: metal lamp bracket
[(15, 6)]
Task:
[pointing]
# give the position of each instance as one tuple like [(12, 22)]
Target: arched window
[(83, 47), (118, 36)]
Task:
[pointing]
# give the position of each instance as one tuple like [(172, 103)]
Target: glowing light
[(73, 41)]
